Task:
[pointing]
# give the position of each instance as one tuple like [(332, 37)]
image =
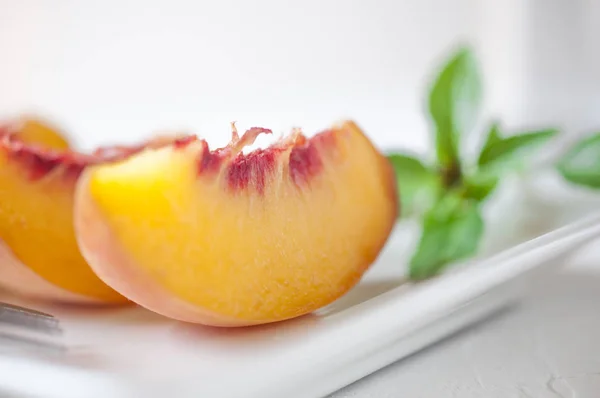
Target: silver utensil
[(29, 318), (23, 329)]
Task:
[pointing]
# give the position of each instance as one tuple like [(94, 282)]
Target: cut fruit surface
[(231, 239), (34, 131), (39, 255)]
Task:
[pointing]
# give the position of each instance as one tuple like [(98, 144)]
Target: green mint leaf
[(452, 231), (417, 184), (505, 154), (454, 101), (493, 137), (581, 164), (480, 186)]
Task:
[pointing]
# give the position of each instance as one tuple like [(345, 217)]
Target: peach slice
[(225, 238), (35, 131), (39, 255)]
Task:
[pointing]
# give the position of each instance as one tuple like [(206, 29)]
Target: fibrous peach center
[(242, 170), (39, 161)]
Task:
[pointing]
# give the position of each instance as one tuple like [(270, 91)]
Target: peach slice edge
[(22, 280)]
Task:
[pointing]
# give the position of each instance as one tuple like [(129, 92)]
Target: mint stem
[(451, 176)]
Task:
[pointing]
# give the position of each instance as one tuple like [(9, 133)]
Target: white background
[(120, 70)]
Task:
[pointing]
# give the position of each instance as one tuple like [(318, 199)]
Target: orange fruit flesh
[(34, 131), (40, 256), (253, 238), (36, 222)]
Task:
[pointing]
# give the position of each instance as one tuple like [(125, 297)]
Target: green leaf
[(454, 101), (452, 231), (480, 186), (493, 136), (505, 154), (417, 185), (581, 164)]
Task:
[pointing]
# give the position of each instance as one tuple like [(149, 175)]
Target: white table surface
[(548, 346)]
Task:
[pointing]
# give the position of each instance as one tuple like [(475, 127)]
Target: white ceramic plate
[(135, 353)]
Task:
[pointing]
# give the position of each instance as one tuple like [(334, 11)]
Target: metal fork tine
[(26, 317)]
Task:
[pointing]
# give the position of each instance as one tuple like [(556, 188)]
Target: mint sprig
[(454, 102), (447, 196), (451, 231), (580, 165), (420, 183), (508, 154)]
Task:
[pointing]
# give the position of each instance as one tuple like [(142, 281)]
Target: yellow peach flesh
[(34, 131), (39, 255)]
